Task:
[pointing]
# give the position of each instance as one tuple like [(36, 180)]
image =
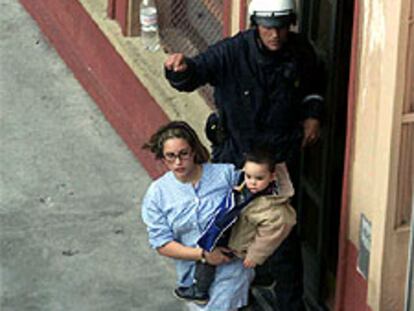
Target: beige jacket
[(265, 222)]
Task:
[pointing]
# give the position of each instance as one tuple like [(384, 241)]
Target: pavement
[(71, 237)]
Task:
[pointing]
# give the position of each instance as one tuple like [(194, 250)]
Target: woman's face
[(179, 158)]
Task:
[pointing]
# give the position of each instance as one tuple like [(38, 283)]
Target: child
[(260, 218)]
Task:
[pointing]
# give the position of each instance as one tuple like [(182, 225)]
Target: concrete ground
[(71, 237)]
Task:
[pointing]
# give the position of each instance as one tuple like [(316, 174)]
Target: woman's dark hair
[(177, 129), (262, 155)]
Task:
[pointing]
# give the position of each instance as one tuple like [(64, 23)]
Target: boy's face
[(257, 176)]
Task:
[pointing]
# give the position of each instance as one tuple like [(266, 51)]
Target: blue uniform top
[(176, 211)]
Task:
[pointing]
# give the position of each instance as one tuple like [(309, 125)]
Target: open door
[(328, 24)]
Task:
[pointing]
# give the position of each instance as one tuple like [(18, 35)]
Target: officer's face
[(273, 38)]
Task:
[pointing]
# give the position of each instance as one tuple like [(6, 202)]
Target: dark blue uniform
[(261, 98)]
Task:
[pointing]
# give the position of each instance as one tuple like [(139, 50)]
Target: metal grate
[(189, 27)]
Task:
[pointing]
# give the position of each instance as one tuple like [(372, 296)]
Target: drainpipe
[(409, 291)]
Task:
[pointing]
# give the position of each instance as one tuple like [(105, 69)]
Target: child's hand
[(249, 263)]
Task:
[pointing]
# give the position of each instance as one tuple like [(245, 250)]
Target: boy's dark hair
[(262, 155), (177, 129)]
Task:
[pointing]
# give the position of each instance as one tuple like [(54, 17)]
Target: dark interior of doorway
[(328, 24)]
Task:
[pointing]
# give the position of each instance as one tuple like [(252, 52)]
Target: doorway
[(328, 25)]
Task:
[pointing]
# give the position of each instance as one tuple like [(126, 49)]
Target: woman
[(178, 205)]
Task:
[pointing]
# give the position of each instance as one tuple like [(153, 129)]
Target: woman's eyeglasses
[(182, 155)]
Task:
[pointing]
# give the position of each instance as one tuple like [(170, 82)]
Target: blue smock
[(177, 211)]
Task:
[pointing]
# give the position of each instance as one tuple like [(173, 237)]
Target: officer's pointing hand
[(176, 62), (311, 131)]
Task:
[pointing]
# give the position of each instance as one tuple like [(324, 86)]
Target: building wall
[(378, 103)]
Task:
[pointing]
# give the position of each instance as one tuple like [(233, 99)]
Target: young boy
[(260, 218)]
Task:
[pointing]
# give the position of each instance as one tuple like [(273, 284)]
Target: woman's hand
[(217, 256)]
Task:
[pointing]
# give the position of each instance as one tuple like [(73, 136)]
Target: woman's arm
[(177, 250)]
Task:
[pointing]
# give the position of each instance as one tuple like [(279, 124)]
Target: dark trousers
[(278, 284), (204, 276)]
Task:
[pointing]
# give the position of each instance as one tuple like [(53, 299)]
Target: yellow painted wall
[(235, 16), (378, 104)]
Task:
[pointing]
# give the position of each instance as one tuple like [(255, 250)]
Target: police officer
[(267, 93)]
